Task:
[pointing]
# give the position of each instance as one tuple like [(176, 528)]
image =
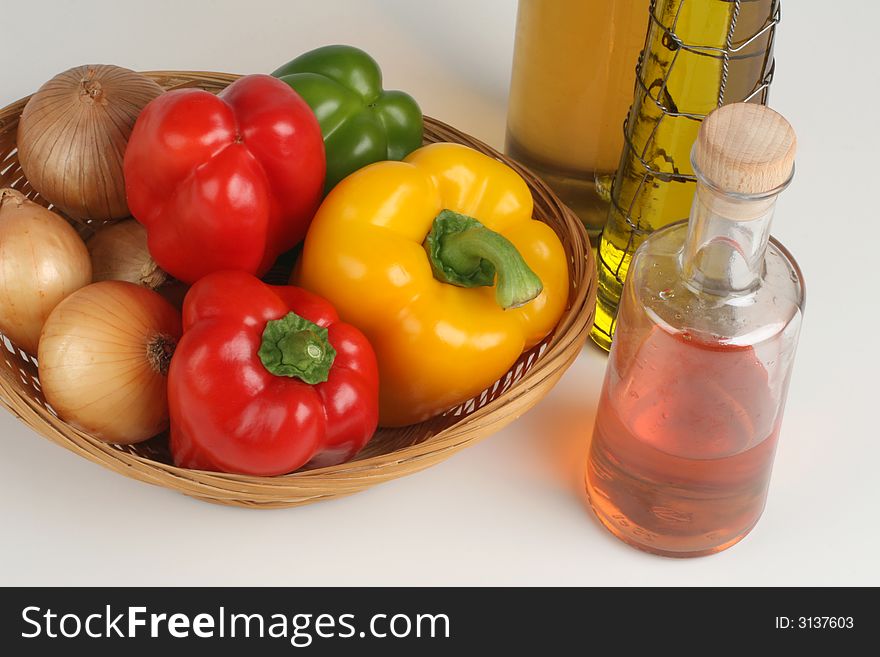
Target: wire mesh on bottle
[(636, 167)]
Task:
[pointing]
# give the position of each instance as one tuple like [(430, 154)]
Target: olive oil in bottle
[(699, 54)]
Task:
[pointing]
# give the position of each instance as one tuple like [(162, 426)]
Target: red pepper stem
[(463, 252), (295, 347)]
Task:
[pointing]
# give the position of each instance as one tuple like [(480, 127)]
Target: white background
[(509, 510)]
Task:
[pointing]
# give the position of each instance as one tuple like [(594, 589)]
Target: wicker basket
[(391, 453)]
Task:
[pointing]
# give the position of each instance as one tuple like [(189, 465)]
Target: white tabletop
[(509, 510)]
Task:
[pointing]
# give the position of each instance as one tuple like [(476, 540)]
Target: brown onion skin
[(42, 260), (95, 363), (72, 136), (119, 252)]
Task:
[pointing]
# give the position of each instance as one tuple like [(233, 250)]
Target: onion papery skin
[(119, 252), (98, 365), (72, 136), (42, 260)]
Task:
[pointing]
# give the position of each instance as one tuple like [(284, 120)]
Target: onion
[(119, 253), (103, 360), (72, 136), (42, 260)]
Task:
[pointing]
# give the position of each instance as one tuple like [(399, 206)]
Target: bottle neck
[(727, 241)]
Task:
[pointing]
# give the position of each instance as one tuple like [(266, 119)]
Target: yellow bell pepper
[(438, 261)]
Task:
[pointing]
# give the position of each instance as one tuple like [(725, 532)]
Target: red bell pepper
[(266, 379), (225, 182)]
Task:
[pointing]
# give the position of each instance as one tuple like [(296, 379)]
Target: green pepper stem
[(463, 252), (295, 347)]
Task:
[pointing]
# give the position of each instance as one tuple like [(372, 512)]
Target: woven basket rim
[(563, 346)]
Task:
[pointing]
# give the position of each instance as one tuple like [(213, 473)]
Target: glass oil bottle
[(699, 54), (571, 86), (698, 374)]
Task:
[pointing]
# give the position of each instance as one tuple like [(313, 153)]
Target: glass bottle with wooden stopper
[(699, 368)]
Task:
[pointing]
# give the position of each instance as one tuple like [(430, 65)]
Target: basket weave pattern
[(391, 453)]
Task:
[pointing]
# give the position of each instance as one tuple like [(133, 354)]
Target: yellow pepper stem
[(463, 252)]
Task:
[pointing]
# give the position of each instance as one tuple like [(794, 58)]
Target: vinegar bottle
[(692, 402)]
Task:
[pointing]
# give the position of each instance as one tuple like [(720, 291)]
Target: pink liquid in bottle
[(683, 445)]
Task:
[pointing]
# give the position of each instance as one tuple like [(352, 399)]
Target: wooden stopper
[(745, 149)]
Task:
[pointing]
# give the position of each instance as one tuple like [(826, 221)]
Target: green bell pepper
[(361, 122)]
